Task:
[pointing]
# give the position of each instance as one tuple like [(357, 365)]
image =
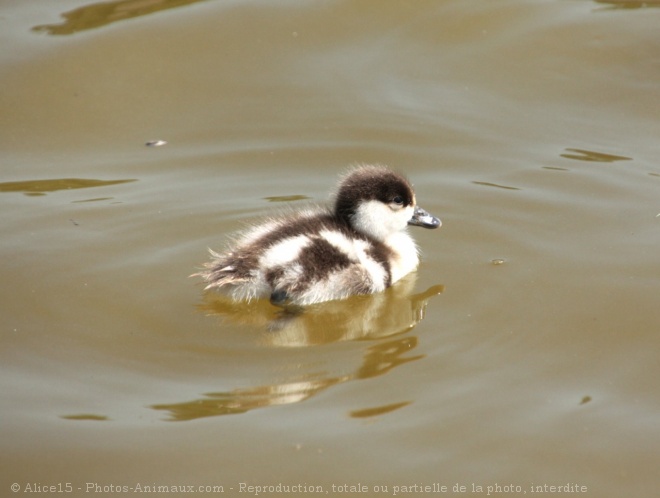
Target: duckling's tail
[(223, 270)]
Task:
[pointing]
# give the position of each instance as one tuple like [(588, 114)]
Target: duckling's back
[(300, 259)]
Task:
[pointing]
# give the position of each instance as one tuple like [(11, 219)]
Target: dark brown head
[(377, 201)]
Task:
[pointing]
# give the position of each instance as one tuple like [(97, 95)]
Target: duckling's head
[(378, 202)]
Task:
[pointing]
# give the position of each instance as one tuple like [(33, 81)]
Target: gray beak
[(423, 219)]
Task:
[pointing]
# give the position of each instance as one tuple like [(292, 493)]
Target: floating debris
[(592, 156), (156, 143), (497, 261)]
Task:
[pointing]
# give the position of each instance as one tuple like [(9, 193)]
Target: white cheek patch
[(369, 217), (379, 220), (284, 251), (404, 216)]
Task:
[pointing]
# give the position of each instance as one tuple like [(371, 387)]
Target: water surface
[(523, 352)]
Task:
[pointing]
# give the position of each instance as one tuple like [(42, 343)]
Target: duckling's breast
[(405, 255)]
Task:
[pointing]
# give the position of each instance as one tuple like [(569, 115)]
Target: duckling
[(360, 245)]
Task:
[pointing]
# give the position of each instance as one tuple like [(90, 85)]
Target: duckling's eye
[(398, 200)]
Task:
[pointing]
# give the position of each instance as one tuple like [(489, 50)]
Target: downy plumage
[(360, 245)]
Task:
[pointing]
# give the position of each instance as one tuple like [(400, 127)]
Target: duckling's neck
[(405, 255), (391, 231)]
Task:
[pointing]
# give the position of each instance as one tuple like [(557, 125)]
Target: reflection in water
[(379, 359), (378, 410), (380, 317), (597, 157), (97, 15), (39, 187), (488, 184), (628, 4), (287, 198), (371, 316), (97, 199), (86, 416)]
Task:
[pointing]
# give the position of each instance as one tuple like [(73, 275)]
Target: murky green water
[(522, 354)]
